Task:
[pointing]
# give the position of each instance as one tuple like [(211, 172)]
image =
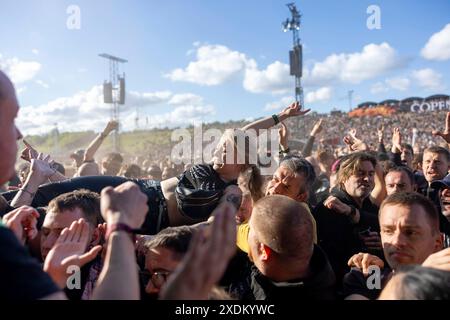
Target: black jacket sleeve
[(23, 277)]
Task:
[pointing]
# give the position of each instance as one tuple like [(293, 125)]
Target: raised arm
[(446, 134), (97, 142), (41, 172), (295, 109), (124, 209)]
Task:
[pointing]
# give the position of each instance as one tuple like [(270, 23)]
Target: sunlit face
[(160, 262), (360, 184), (397, 182), (434, 166), (54, 223), (285, 182), (9, 133), (407, 235)]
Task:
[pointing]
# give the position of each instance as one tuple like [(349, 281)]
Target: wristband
[(121, 227), (276, 119)]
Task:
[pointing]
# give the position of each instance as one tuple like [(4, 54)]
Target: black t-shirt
[(355, 282), (23, 277)]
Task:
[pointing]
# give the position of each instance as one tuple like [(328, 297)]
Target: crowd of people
[(362, 216)]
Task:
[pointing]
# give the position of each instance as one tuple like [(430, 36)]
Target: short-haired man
[(62, 211), (435, 165), (409, 232), (347, 220), (111, 164), (164, 252), (287, 263), (293, 178), (399, 179)]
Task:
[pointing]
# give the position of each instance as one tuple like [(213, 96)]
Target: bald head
[(284, 225), (8, 131)]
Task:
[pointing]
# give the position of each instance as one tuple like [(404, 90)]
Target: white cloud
[(35, 51), (21, 90), (356, 67), (214, 65), (438, 46), (19, 71), (379, 87), (181, 116), (274, 79), (399, 83), (428, 79), (280, 104), (185, 98), (320, 95), (142, 99), (85, 110), (42, 84)]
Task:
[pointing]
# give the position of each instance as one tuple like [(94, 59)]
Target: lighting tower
[(295, 55), (114, 92)]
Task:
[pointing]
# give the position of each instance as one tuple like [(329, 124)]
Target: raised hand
[(22, 221), (317, 128), (29, 152), (205, 261), (125, 203), (380, 133), (111, 126), (446, 134), (69, 250), (396, 141), (354, 143), (294, 109), (42, 165)]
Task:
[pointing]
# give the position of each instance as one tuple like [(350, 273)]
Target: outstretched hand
[(295, 109), (354, 143), (22, 221), (29, 152)]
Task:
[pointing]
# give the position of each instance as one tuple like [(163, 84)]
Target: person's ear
[(265, 252), (439, 243), (96, 237)]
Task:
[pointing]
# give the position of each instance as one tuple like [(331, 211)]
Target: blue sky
[(215, 60)]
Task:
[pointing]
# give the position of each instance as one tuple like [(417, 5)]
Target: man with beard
[(347, 220)]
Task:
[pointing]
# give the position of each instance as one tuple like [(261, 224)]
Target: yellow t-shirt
[(244, 229)]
